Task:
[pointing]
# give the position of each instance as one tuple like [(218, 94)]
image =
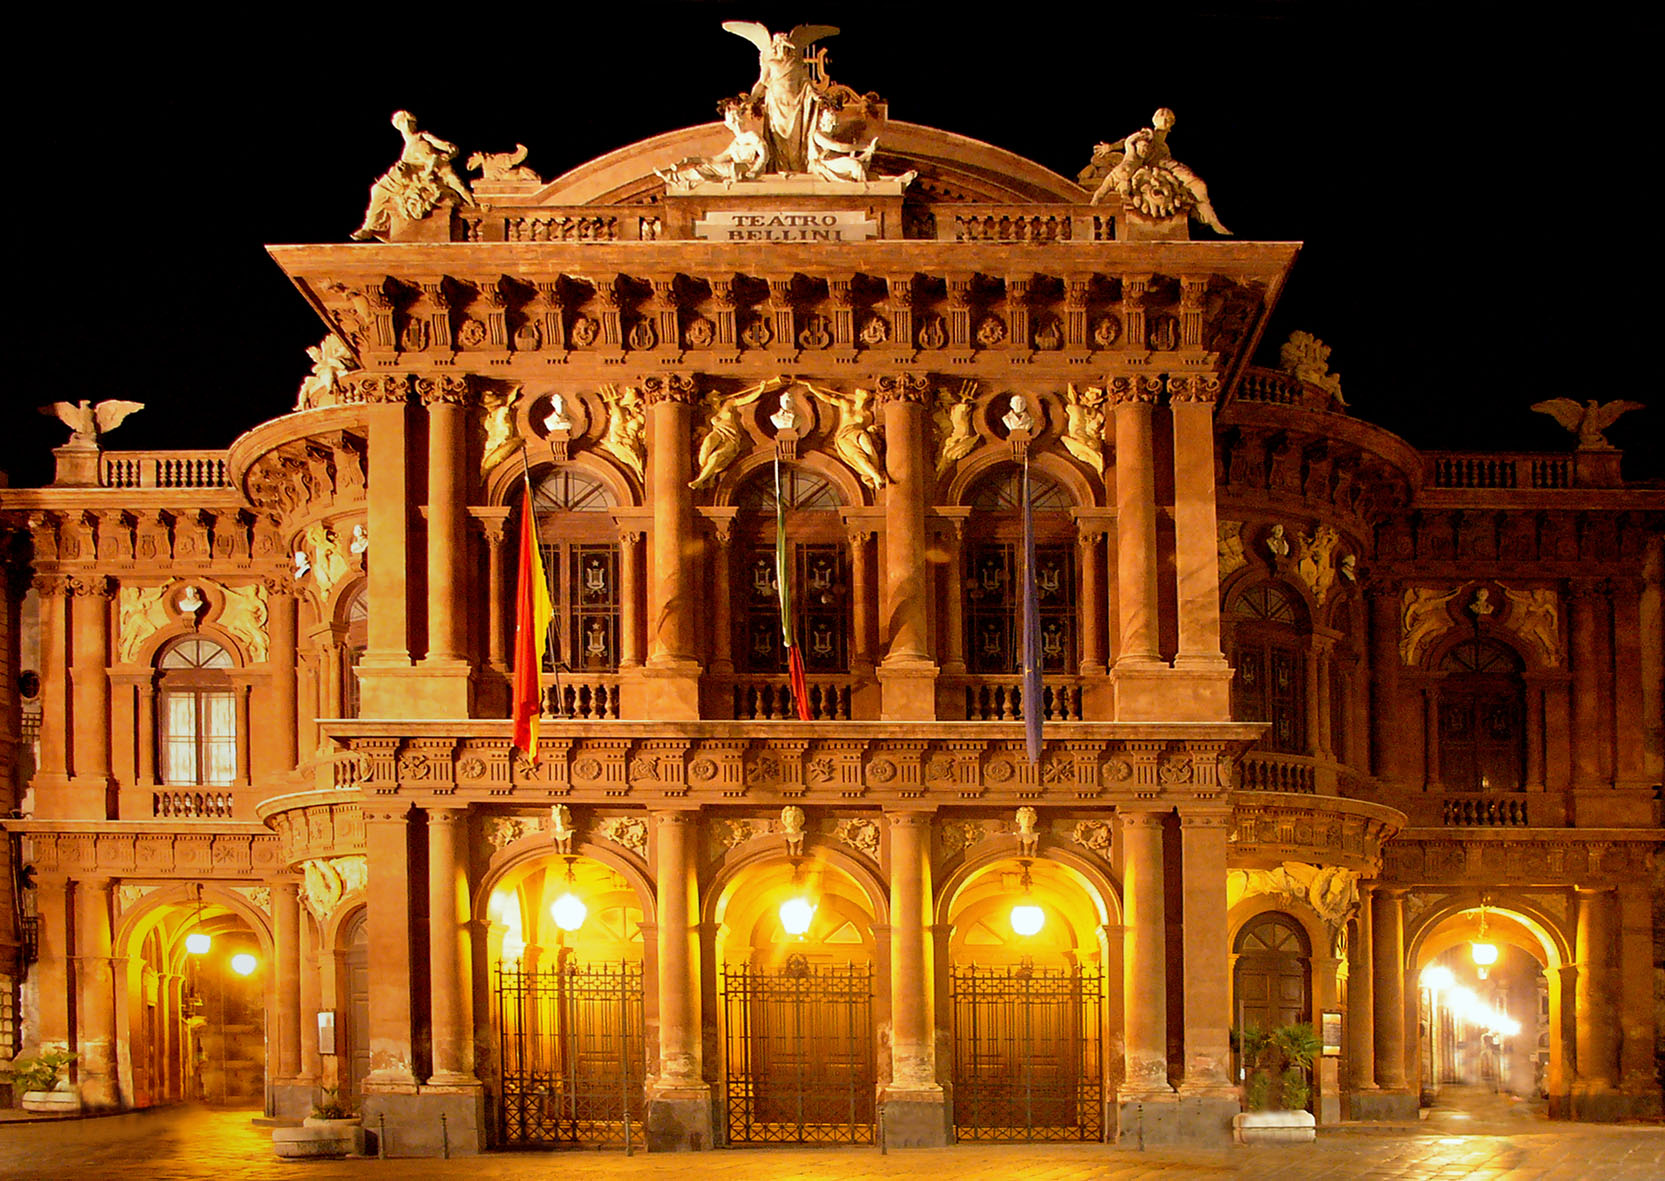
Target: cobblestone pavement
[(1489, 1140)]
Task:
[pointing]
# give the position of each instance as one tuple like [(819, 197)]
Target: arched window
[(1271, 981), (1482, 712), (993, 575), (819, 554), (1267, 649), (197, 714), (580, 544), (358, 638)]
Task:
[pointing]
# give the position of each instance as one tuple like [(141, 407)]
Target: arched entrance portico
[(1028, 965)]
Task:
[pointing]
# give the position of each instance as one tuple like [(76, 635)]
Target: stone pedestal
[(912, 1118), (1160, 1120), (428, 1121), (679, 1120), (1397, 1106)]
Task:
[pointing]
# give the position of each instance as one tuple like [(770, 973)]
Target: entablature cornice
[(922, 764), (1521, 856), (1269, 828), (62, 849)]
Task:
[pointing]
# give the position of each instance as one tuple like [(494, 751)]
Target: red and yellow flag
[(533, 613)]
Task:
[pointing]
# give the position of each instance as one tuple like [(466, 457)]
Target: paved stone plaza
[(1483, 1137)]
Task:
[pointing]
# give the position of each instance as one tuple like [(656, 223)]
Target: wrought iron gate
[(570, 1045), (1027, 1063), (800, 1053)]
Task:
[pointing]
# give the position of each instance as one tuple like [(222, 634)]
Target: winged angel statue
[(783, 83), (1587, 421), (88, 422)]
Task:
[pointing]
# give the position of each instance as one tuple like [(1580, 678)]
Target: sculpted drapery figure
[(1147, 177), (421, 178), (745, 158), (1084, 425), (956, 437), (855, 437), (330, 359), (834, 158), (724, 430), (783, 83), (626, 435)]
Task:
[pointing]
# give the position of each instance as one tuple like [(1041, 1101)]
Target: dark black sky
[(1469, 179)]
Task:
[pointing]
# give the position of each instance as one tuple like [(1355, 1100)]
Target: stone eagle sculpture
[(88, 422), (1587, 421)]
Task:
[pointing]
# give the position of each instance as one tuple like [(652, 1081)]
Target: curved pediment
[(952, 168)]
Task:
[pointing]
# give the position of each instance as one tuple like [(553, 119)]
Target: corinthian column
[(680, 1115), (90, 673), (1387, 942), (450, 946), (914, 1098), (675, 597), (387, 513), (907, 675), (1145, 956)]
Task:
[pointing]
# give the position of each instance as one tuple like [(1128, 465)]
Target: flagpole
[(1033, 692)]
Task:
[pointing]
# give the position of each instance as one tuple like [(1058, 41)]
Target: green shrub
[(329, 1106), (40, 1073), (1283, 1056)]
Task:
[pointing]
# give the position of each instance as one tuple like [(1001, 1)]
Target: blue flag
[(1033, 702)]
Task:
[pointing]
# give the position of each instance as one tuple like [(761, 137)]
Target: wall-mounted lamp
[(1027, 916), (569, 910)]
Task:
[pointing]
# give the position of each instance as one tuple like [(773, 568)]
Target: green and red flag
[(533, 612), (783, 584)]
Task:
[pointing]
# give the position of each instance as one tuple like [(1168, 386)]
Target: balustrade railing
[(1000, 699), (1457, 469), (1282, 389), (1268, 771), (586, 698), (1486, 811), (558, 223), (1006, 223), (176, 804), (162, 469), (771, 700)]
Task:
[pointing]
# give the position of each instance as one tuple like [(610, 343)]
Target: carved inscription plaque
[(785, 226)]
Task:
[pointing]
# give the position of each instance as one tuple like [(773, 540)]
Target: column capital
[(1143, 817), (675, 388), (908, 388), (1196, 388), (446, 813), (90, 586), (445, 389), (910, 819), (380, 389), (674, 815)]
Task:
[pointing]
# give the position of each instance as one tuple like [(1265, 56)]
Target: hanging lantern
[(244, 964), (1027, 916), (198, 941), (569, 910), (1483, 951), (796, 914)]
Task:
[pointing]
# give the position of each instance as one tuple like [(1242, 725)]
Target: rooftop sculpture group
[(794, 121), (1144, 174)]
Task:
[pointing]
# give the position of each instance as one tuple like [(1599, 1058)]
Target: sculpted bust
[(1018, 417)]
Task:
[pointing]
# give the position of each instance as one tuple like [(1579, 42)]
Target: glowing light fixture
[(569, 910), (796, 914), (244, 964), (1027, 916), (1482, 949), (1438, 978), (199, 941)]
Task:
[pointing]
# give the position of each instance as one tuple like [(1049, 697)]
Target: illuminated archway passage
[(566, 949), (1025, 989)]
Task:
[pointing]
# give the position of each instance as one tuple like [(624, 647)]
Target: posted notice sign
[(779, 225)]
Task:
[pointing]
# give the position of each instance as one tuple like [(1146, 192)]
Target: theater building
[(1321, 710)]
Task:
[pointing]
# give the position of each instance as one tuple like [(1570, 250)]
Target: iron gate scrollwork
[(570, 1045), (1027, 1061), (800, 1053)]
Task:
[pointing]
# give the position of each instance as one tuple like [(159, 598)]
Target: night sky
[(1468, 178)]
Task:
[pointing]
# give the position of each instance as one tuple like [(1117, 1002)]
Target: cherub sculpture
[(330, 359), (1304, 356), (832, 157), (725, 430), (745, 158), (855, 433), (1084, 425), (1146, 176), (784, 85), (421, 178), (88, 423), (956, 437), (1587, 421)]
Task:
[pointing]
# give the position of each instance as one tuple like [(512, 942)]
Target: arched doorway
[(355, 995), (796, 985), (1490, 1010), (565, 954), (1026, 984), (1272, 974)]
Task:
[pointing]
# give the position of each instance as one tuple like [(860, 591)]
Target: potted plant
[(43, 1084), (331, 1130), (1277, 1084)]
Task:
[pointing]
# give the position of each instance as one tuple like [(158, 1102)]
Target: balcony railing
[(1000, 699), (178, 804), (589, 697), (1457, 469), (1484, 810), (162, 469), (1007, 223), (768, 699), (1261, 770)]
